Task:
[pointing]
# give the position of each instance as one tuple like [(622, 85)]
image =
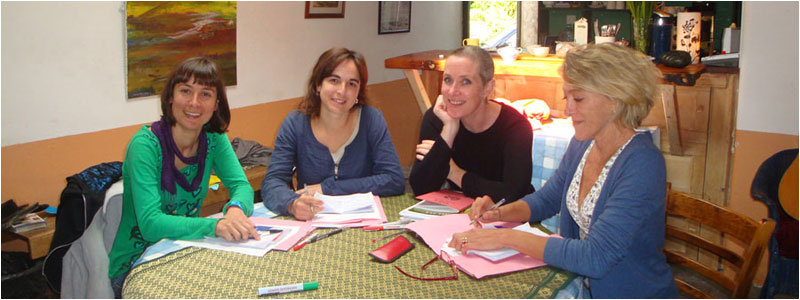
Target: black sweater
[(497, 161)]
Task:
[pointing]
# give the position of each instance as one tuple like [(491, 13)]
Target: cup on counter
[(604, 39), (509, 54), (538, 50), (471, 42)]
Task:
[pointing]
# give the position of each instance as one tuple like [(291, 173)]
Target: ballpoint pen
[(401, 224), (495, 206), (389, 235), (315, 237), (330, 233), (304, 242), (384, 227)]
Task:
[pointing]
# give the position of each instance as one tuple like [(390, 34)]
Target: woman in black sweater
[(477, 145)]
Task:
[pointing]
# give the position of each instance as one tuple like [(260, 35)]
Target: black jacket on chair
[(80, 200)]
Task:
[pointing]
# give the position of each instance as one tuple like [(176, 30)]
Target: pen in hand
[(495, 206)]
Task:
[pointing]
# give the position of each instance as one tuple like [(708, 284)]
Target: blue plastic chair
[(782, 277)]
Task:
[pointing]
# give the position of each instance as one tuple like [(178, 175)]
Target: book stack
[(438, 203), (426, 210), (30, 222)]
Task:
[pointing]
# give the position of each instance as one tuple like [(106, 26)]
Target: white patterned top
[(583, 217)]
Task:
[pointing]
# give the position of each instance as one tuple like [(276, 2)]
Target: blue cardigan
[(622, 254), (369, 163)]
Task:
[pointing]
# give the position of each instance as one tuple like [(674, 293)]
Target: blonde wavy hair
[(619, 73)]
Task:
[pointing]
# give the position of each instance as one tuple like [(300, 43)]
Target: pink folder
[(435, 231), (305, 228), (450, 198)]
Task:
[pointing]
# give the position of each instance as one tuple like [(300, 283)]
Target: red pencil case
[(392, 250)]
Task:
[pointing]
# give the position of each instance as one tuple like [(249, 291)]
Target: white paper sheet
[(374, 216), (250, 249), (347, 204), (499, 254)]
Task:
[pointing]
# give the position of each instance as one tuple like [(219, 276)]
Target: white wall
[(63, 62), (768, 92)]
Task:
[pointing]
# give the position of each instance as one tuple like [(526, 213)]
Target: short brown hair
[(205, 73), (480, 57), (623, 75), (326, 63)]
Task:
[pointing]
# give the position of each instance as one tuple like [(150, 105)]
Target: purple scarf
[(169, 173)]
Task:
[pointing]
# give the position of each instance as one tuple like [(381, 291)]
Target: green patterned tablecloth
[(340, 264)]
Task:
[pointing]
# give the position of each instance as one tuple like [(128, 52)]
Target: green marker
[(306, 286)]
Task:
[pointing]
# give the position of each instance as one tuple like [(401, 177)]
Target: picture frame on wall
[(157, 40), (394, 17), (324, 9)]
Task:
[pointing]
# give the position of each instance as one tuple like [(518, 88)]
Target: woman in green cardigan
[(167, 166)]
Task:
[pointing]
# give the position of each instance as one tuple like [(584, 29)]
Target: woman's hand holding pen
[(235, 226), (483, 205), (310, 190), (305, 207)]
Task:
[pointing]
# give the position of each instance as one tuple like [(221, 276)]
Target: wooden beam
[(421, 95), (671, 117)]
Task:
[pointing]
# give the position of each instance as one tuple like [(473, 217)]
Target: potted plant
[(640, 15)]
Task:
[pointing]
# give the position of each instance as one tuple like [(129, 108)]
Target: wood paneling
[(37, 171)]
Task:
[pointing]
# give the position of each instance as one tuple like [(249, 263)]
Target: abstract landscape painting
[(162, 34)]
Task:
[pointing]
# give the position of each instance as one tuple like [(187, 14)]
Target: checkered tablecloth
[(342, 267), (549, 145)]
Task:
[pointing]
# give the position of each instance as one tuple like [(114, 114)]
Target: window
[(493, 22)]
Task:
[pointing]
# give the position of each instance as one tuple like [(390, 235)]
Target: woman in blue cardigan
[(335, 142), (609, 187)]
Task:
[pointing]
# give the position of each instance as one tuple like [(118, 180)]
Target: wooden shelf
[(215, 200), (35, 242)]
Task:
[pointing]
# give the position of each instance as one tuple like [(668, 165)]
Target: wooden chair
[(753, 236)]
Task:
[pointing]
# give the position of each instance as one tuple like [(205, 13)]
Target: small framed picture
[(324, 9), (394, 16)]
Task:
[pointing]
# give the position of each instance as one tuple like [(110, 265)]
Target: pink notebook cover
[(305, 228), (450, 198), (358, 222), (435, 231)]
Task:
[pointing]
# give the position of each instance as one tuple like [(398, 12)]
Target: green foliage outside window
[(487, 19)]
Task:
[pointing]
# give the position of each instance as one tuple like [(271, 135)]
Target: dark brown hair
[(205, 73), (326, 63)]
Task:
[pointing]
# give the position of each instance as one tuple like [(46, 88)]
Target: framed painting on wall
[(394, 16), (324, 9), (160, 35)]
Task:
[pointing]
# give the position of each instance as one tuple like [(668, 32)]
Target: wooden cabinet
[(553, 21)]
